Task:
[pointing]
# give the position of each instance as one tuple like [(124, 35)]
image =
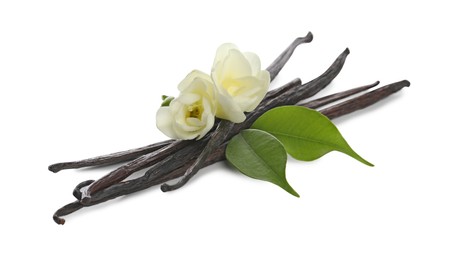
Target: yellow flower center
[(194, 111)]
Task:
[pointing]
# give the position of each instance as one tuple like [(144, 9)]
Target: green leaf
[(261, 156), (305, 133)]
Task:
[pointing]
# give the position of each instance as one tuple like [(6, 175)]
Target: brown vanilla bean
[(335, 97), (132, 154), (364, 100), (314, 86), (282, 59), (145, 182), (138, 164), (66, 210), (110, 158)]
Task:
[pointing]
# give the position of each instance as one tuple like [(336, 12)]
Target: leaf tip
[(353, 154), (366, 162), (290, 190)]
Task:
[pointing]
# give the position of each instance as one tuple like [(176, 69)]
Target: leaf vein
[(335, 147), (282, 181)]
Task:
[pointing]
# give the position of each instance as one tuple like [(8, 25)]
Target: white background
[(84, 78)]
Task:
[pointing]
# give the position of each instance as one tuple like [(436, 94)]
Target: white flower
[(241, 84), (192, 114)]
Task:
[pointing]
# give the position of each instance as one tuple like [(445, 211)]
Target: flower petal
[(187, 81), (210, 120), (264, 76), (229, 110), (194, 122), (164, 122), (235, 66), (254, 61), (184, 127), (244, 85), (186, 135), (187, 98), (223, 51)]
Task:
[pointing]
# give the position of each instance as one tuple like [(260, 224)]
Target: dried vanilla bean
[(282, 59), (364, 100), (335, 97), (66, 210), (110, 158)]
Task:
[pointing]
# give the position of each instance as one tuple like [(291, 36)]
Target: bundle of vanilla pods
[(182, 159)]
